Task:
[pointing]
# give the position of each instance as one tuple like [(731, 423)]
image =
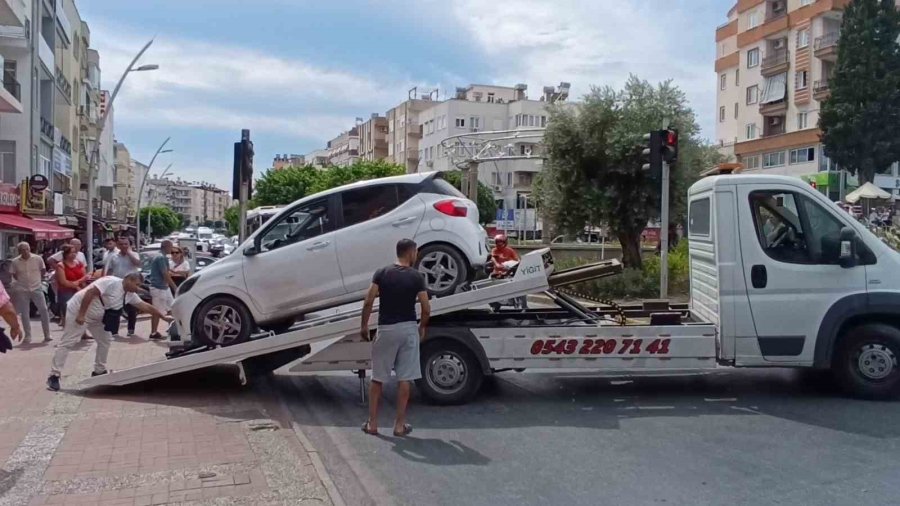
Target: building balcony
[(775, 62), (415, 133), (12, 13), (65, 87), (821, 90), (778, 108), (47, 128), (45, 53), (10, 95), (412, 154), (826, 46)]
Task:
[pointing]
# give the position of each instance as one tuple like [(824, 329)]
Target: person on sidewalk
[(71, 276), (28, 274), (122, 264), (161, 286), (109, 248), (179, 266), (91, 308), (396, 345), (8, 313)]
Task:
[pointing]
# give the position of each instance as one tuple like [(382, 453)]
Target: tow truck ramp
[(532, 276)]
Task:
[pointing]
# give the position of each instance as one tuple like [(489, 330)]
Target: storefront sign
[(9, 198), (38, 182), (62, 162), (887, 182), (33, 200)]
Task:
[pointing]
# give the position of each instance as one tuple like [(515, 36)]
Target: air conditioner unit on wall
[(780, 44)]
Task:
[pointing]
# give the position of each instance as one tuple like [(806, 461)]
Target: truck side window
[(699, 217), (793, 228)]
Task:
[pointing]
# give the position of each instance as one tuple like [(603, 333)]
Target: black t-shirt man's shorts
[(397, 341)]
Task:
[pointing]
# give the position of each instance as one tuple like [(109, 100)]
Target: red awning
[(42, 230)]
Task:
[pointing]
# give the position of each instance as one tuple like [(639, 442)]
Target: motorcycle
[(507, 270)]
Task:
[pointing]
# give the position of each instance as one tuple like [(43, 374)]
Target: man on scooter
[(502, 253)]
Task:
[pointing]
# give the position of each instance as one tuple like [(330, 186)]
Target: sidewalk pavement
[(198, 438)]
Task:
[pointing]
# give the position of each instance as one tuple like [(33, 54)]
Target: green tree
[(487, 206), (162, 220), (859, 117), (231, 219), (593, 172), (281, 187)]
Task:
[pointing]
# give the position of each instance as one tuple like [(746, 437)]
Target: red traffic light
[(671, 138)]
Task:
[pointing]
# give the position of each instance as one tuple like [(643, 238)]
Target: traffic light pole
[(244, 196), (664, 235)]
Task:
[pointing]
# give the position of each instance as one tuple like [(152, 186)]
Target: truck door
[(790, 243)]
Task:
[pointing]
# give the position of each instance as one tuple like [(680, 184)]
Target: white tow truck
[(780, 277)]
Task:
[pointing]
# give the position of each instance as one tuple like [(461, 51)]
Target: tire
[(444, 269), (866, 361), (216, 311), (278, 326), (451, 374)]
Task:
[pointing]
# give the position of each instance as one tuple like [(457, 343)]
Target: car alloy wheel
[(441, 270), (222, 324)]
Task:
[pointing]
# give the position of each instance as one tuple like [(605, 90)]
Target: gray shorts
[(396, 347)]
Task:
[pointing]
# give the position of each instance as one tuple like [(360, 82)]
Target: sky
[(298, 72)]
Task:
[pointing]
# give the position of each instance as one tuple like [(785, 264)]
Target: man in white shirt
[(58, 256), (109, 248), (123, 263), (28, 273), (85, 312)]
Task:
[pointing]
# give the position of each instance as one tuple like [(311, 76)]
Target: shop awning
[(42, 230)]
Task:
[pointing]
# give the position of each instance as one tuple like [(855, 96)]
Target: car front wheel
[(223, 321), (443, 267)]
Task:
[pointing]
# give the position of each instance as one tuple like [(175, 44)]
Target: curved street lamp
[(159, 150), (95, 153), (165, 173)]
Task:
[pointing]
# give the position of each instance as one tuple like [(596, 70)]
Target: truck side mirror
[(848, 248)]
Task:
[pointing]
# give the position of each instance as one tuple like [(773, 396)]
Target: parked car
[(322, 250)]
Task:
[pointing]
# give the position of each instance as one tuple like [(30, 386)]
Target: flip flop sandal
[(365, 428), (407, 430)]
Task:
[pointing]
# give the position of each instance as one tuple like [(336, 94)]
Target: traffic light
[(242, 171), (652, 152), (669, 145)]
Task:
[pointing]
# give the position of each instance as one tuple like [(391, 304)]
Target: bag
[(112, 318)]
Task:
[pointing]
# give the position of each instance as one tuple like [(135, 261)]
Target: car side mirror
[(847, 257), (251, 250)]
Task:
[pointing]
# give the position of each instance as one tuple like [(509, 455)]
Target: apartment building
[(481, 108), (125, 193), (197, 202), (373, 138), (404, 129), (285, 160), (343, 150), (774, 59)]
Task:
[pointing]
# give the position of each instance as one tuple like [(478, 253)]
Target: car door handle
[(318, 245), (404, 221), (759, 277)]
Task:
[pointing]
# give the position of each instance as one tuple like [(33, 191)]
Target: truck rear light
[(452, 207)]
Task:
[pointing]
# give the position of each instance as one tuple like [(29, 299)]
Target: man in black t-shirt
[(398, 287)]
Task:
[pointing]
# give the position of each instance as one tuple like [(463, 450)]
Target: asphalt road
[(733, 437)]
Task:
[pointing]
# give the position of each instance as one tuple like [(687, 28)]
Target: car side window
[(302, 223), (369, 202)]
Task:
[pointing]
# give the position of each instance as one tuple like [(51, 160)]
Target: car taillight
[(452, 208)]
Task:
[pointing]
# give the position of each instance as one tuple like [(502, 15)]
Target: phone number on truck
[(600, 347)]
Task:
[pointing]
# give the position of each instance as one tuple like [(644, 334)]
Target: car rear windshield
[(442, 187)]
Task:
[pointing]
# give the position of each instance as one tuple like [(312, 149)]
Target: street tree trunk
[(631, 248)]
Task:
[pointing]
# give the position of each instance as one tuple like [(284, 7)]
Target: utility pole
[(243, 177)]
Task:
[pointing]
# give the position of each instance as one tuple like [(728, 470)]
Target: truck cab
[(791, 280)]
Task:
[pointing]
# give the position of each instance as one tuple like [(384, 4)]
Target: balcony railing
[(47, 127), (64, 85), (65, 144), (775, 57), (45, 53), (826, 41), (820, 86), (12, 86)]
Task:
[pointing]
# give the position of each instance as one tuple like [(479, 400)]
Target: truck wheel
[(866, 363), (222, 321), (443, 267), (450, 373)]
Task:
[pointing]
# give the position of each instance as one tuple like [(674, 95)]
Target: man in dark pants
[(398, 287)]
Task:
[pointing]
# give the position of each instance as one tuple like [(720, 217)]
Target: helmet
[(500, 239)]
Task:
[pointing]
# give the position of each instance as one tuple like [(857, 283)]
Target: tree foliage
[(487, 206), (859, 117), (232, 215), (163, 221), (593, 172), (281, 187)]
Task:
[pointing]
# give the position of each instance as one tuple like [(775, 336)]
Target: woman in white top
[(179, 267)]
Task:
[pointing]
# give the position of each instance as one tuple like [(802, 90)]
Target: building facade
[(198, 203), (125, 190), (343, 150), (774, 60), (404, 130), (373, 138), (285, 160)]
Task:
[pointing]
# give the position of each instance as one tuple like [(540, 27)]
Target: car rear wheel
[(443, 267), (223, 321)]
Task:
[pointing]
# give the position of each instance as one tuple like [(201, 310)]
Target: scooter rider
[(500, 253)]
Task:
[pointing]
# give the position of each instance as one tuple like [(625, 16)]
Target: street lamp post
[(95, 153), (165, 173), (141, 188)]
